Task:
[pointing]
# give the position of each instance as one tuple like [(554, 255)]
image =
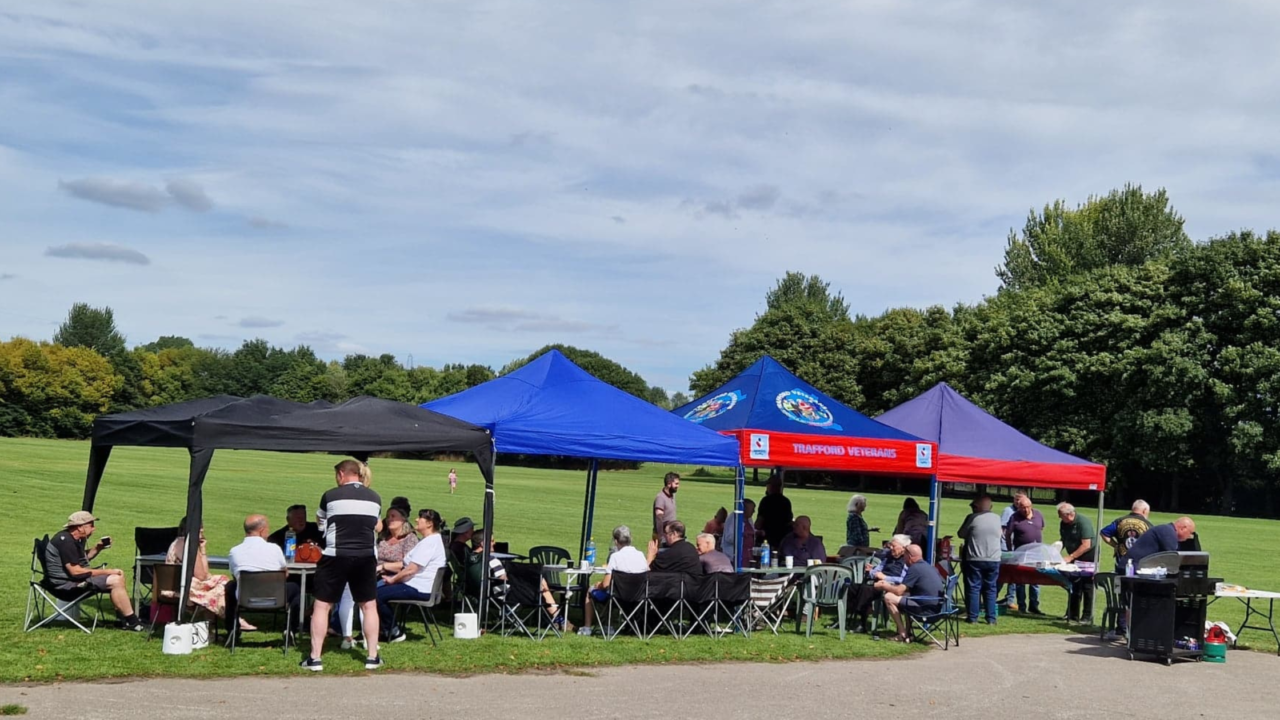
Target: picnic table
[(1246, 597)]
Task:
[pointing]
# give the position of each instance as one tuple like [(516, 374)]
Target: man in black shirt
[(773, 516), (70, 574), (347, 515), (679, 556), (303, 529)]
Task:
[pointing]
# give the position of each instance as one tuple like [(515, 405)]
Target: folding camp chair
[(826, 586), (627, 596), (733, 604), (521, 608), (769, 600), (699, 599), (924, 624), (264, 591), (664, 600), (46, 603), (148, 541), (426, 607)]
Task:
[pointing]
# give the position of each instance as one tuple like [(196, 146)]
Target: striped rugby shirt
[(347, 516)]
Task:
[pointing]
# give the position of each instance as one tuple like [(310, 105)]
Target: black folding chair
[(733, 604), (628, 596), (521, 608), (264, 591), (148, 541), (426, 608), (47, 603), (699, 600), (664, 600)]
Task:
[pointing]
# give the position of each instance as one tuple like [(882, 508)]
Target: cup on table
[(791, 561), (813, 561), (586, 565)]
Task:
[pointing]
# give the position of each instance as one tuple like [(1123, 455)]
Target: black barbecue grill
[(1165, 611)]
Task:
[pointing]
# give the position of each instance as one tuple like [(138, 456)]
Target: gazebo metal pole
[(1097, 558), (483, 601), (588, 506), (739, 495), (935, 511)]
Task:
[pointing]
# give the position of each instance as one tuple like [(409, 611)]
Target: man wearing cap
[(69, 569), (463, 530)]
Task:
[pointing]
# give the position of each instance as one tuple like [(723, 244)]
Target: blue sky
[(467, 181)]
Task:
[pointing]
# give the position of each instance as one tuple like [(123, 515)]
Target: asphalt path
[(1032, 676)]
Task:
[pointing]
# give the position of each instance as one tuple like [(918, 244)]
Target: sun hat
[(78, 518)]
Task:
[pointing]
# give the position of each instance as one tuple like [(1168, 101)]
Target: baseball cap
[(80, 517)]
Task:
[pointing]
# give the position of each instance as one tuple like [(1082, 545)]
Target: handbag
[(307, 552)]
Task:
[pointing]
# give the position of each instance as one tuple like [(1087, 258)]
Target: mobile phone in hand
[(106, 541)]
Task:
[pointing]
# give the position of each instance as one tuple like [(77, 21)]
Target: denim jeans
[(400, 591), (1021, 592), (980, 581)]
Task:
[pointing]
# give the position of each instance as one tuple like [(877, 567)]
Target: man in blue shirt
[(1161, 538)]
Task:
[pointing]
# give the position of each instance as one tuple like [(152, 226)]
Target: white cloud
[(98, 251), (189, 194), (517, 320), (116, 193), (257, 321)]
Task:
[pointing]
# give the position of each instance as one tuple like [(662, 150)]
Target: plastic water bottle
[(290, 544), (765, 556), (591, 552), (1128, 569)]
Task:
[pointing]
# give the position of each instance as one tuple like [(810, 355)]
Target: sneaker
[(1012, 607), (136, 626), (373, 663), (607, 631), (398, 637), (347, 643), (584, 631), (312, 664)]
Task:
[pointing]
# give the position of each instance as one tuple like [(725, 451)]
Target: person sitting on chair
[(498, 578), (416, 579), (207, 590), (463, 529), (713, 561), (304, 530), (679, 555), (255, 554), (624, 558), (886, 567), (69, 571), (801, 545), (921, 590)]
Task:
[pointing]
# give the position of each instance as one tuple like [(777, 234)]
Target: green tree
[(1124, 227), (806, 328), (679, 399), (168, 342), (93, 328), (49, 390)]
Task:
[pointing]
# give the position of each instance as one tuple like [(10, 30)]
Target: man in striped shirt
[(347, 516)]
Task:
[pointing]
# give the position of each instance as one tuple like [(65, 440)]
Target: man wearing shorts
[(70, 573), (347, 516), (921, 590)]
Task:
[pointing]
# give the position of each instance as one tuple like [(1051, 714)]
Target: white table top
[(1255, 594)]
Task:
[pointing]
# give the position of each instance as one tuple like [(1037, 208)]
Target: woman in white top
[(416, 578)]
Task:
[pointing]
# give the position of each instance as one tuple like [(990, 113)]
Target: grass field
[(44, 481)]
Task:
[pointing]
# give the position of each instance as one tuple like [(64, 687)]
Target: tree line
[(1112, 336)]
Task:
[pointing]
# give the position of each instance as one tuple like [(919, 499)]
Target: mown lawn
[(43, 483)]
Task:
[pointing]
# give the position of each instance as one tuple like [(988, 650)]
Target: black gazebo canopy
[(360, 426)]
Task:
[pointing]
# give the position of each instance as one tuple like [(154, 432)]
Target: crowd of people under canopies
[(368, 559)]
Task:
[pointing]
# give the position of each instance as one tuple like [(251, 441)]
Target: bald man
[(255, 554), (1160, 538), (921, 590)]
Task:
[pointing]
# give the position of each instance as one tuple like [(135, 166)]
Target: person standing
[(774, 518), (1026, 527), (730, 542), (664, 506), (1122, 533), (981, 532), (453, 481), (856, 533), (1004, 541), (347, 515), (1077, 539), (1161, 538)]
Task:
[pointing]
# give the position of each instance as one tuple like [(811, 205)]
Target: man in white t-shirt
[(625, 559), (255, 554)]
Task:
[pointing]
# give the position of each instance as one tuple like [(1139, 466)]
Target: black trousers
[(291, 594)]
